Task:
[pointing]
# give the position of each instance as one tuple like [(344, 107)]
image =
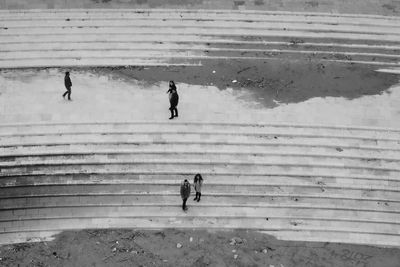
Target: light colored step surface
[(168, 26), (16, 203)]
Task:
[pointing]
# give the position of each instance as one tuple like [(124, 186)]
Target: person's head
[(171, 83), (198, 177), (67, 73), (186, 181)]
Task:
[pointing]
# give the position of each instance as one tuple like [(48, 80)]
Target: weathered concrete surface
[(381, 7), (198, 248)]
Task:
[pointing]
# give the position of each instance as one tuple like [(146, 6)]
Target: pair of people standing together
[(185, 189)]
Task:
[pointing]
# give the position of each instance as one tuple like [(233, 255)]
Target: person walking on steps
[(198, 182), (68, 85), (185, 193), (173, 99)]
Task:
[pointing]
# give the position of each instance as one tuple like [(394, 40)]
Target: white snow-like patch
[(33, 96)]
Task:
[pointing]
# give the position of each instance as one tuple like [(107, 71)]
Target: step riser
[(211, 189), (8, 153), (216, 212), (83, 179), (189, 222), (16, 18), (195, 138), (246, 159), (207, 200), (203, 167)]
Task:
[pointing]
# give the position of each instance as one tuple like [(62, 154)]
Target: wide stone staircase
[(297, 182), (126, 37)]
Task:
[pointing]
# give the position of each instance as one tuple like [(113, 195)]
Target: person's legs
[(172, 112), (176, 112), (198, 199), (184, 204), (196, 196), (69, 93)]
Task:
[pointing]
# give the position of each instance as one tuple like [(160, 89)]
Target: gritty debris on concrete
[(158, 248)]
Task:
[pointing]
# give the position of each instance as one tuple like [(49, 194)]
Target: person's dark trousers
[(172, 109), (184, 204), (68, 92), (198, 195)]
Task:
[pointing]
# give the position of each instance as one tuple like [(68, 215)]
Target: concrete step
[(200, 39), (202, 166), (212, 189), (215, 127), (89, 179), (391, 220), (227, 168), (339, 237), (184, 156), (50, 25), (295, 201), (277, 181), (30, 152), (203, 222), (191, 55), (287, 48), (195, 14), (299, 32), (198, 136), (99, 62)]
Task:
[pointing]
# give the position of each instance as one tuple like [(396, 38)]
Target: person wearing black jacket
[(68, 85), (185, 193), (173, 99)]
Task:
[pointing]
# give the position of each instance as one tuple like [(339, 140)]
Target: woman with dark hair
[(198, 182), (173, 99)]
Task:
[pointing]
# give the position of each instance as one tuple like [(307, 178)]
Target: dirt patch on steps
[(189, 248), (270, 81)]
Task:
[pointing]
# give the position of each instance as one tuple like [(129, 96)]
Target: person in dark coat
[(173, 99), (198, 183), (68, 85), (185, 193)]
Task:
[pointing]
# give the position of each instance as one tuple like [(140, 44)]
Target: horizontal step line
[(160, 132), (65, 29), (138, 143), (299, 225), (219, 194), (196, 162), (292, 34), (78, 60), (113, 152), (193, 11), (87, 18), (206, 49), (270, 217), (286, 125), (255, 206), (191, 172), (177, 183), (282, 26), (220, 42)]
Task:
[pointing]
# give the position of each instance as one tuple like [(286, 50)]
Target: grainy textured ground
[(379, 7), (198, 248)]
